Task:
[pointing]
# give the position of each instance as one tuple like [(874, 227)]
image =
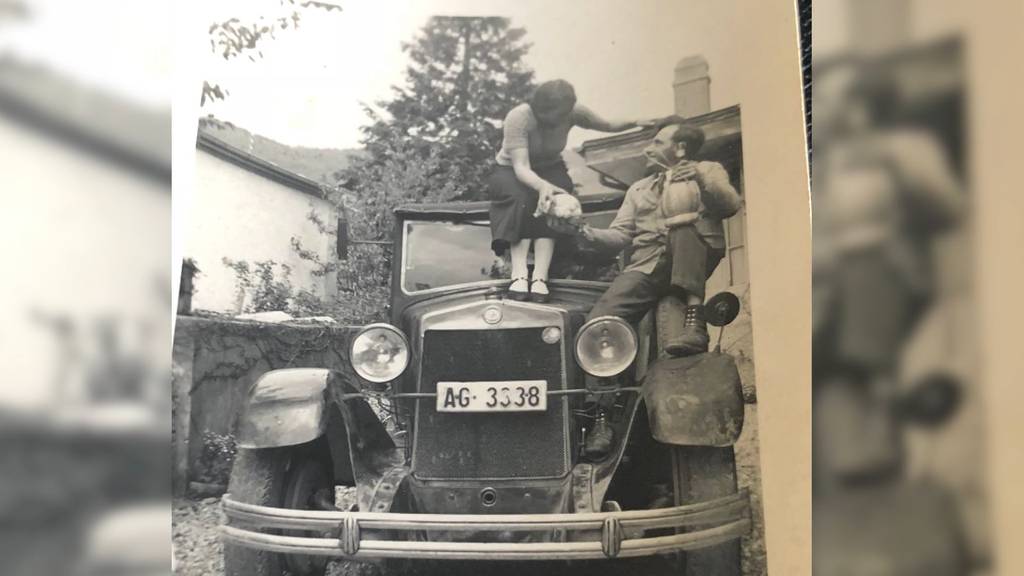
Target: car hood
[(573, 301)]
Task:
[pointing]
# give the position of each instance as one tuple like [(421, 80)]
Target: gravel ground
[(198, 549), (748, 465)]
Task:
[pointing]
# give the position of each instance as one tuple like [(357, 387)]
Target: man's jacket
[(642, 219)]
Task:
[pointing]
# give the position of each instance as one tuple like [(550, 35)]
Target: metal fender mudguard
[(284, 408), (694, 401), (298, 405)]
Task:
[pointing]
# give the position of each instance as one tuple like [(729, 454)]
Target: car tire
[(271, 477), (703, 473)]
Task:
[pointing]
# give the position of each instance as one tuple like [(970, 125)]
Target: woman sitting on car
[(531, 171)]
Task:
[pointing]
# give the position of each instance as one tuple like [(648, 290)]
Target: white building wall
[(86, 242), (244, 216)]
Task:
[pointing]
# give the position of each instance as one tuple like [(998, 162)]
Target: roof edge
[(648, 133), (210, 143)]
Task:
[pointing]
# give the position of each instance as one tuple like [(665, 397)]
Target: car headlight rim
[(625, 360), (394, 373)]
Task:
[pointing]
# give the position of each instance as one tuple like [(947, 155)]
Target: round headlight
[(380, 353), (606, 346)]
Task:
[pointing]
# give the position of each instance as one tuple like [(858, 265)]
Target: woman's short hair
[(692, 136), (553, 95)]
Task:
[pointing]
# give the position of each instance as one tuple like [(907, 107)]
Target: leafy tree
[(465, 74), (363, 277), (232, 38), (434, 140), (259, 285)]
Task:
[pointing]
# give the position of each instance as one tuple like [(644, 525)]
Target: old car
[(462, 425), (474, 427)]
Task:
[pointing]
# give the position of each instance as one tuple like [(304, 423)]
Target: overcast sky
[(620, 56), (307, 88)]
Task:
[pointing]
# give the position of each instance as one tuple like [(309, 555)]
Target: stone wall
[(215, 362)]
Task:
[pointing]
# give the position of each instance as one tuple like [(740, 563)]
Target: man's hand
[(586, 232)]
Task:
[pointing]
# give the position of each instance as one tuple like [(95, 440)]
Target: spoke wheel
[(292, 477), (703, 473), (307, 480)]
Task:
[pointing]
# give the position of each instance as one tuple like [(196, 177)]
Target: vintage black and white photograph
[(467, 293)]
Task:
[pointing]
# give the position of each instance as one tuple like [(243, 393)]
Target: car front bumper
[(598, 535)]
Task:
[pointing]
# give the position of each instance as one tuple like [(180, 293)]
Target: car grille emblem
[(551, 334), (492, 314)]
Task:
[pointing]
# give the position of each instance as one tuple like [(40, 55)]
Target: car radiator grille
[(490, 445)]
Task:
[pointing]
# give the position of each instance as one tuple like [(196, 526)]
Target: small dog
[(563, 210)]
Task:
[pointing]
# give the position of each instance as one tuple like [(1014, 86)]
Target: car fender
[(298, 405), (695, 400), (284, 408)]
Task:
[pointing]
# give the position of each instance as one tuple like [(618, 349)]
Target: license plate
[(500, 396)]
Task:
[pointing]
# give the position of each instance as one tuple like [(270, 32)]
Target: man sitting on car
[(673, 220)]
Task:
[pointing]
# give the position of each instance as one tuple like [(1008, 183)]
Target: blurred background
[(85, 92), (900, 448)]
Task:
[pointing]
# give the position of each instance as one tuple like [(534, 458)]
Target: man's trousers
[(685, 266)]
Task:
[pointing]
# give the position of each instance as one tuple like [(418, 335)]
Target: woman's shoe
[(523, 293), (536, 296)]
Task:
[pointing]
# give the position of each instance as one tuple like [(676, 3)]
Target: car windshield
[(438, 254)]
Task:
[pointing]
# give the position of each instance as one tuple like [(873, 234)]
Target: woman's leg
[(518, 253), (543, 250), (544, 247)]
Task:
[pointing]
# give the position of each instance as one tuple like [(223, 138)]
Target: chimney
[(692, 86)]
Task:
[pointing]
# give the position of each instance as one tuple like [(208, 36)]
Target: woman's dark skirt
[(513, 204)]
